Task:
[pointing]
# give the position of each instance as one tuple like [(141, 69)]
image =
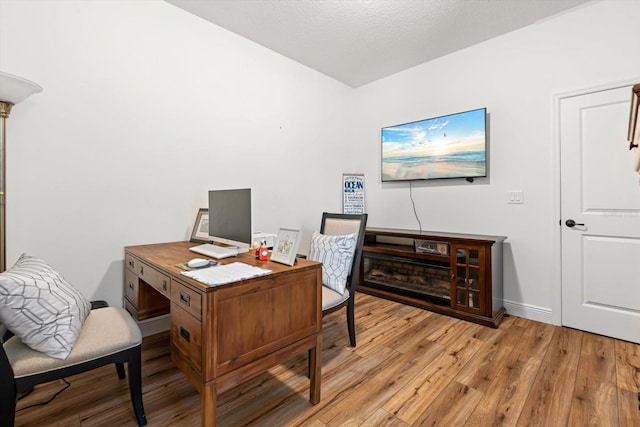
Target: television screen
[(452, 146)]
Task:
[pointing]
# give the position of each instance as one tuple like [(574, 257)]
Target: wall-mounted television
[(452, 146)]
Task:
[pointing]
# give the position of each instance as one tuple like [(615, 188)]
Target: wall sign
[(353, 193)]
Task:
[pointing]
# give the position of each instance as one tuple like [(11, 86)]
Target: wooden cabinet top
[(435, 235)]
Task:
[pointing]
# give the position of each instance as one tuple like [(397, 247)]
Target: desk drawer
[(186, 337), (186, 298), (131, 287), (130, 263), (155, 278)]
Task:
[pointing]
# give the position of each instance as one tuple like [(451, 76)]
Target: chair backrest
[(339, 224)]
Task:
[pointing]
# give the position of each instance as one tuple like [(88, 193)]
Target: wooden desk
[(222, 336)]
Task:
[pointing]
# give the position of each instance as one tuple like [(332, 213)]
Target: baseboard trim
[(528, 311), (155, 325)]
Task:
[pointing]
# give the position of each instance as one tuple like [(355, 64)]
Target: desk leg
[(208, 405), (316, 368)]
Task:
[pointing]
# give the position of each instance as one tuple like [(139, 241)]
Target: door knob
[(572, 223)]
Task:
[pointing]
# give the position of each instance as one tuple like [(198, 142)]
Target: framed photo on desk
[(200, 232), (286, 245)]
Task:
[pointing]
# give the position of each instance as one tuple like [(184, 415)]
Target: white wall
[(145, 108), (516, 77)]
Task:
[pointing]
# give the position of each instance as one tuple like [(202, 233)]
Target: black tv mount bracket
[(469, 179)]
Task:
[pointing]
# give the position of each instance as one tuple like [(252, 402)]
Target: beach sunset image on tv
[(452, 146)]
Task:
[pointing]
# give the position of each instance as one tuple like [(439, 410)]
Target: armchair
[(334, 224), (108, 335)]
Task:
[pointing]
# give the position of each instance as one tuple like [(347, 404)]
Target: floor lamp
[(13, 90)]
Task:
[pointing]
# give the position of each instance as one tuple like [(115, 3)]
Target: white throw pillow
[(336, 255), (40, 307)]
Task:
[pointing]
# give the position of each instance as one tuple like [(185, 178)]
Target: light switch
[(516, 197)]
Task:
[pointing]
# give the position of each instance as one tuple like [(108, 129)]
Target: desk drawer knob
[(164, 285), (185, 334), (141, 271), (130, 285), (185, 298), (131, 263)]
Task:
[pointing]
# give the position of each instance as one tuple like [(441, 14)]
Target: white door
[(600, 193)]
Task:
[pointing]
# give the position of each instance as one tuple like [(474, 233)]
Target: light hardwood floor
[(410, 368)]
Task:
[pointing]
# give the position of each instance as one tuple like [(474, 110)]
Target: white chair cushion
[(335, 252), (40, 307), (105, 331), (331, 298)]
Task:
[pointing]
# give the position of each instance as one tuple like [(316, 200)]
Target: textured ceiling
[(359, 41)]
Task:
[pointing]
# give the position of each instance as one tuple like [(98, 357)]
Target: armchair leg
[(8, 390), (120, 370), (351, 324), (7, 409), (135, 385)]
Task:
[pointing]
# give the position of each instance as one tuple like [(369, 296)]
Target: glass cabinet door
[(467, 278)]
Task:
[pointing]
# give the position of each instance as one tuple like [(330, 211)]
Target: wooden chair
[(108, 335), (341, 224)]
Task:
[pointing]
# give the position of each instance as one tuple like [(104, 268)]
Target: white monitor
[(230, 217)]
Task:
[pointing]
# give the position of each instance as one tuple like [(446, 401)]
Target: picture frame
[(200, 232), (285, 248), (353, 193)]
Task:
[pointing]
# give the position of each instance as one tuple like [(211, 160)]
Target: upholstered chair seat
[(105, 331), (331, 298)]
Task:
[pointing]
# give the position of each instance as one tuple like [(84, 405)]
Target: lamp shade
[(14, 89)]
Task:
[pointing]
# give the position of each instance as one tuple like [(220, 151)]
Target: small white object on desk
[(269, 238), (227, 273), (198, 263), (215, 251)]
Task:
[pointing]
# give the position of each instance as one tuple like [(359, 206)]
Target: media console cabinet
[(459, 275)]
